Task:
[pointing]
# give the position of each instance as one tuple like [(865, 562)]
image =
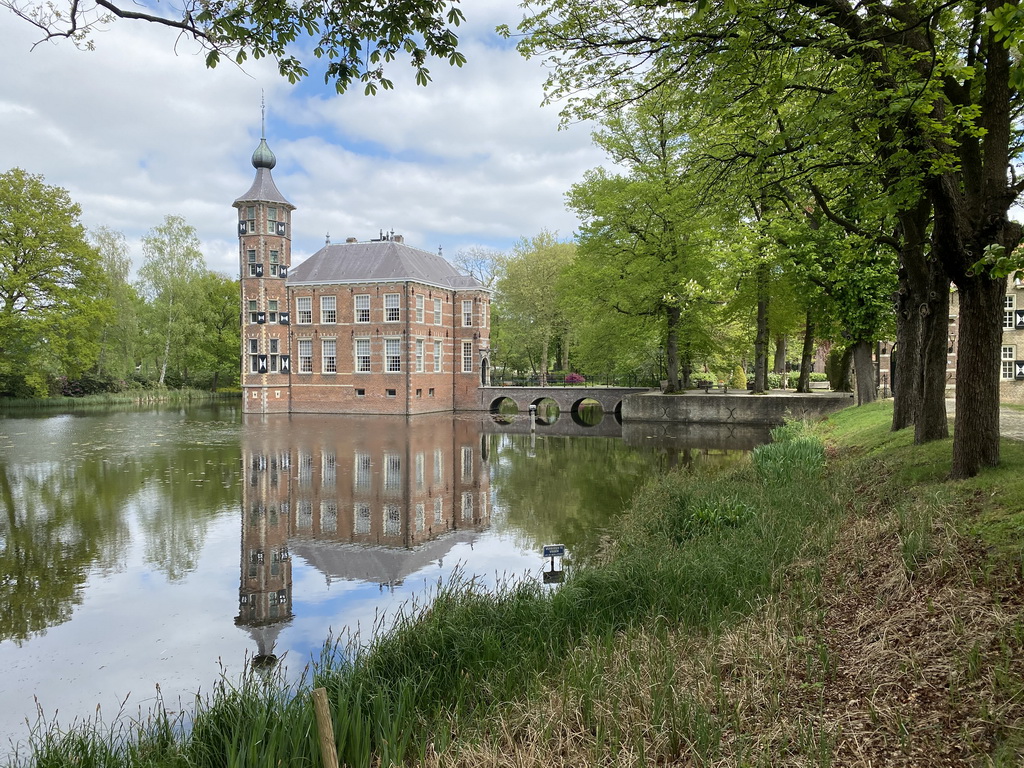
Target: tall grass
[(695, 550), (107, 399)]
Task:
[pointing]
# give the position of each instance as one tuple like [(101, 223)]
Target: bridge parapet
[(567, 399)]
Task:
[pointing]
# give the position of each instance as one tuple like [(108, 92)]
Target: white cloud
[(137, 130)]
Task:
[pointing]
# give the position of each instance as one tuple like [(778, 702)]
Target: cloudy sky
[(138, 129)]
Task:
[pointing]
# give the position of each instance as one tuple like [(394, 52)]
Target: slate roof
[(263, 190), (384, 261)]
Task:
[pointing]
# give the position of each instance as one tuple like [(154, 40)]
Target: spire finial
[(263, 115), (328, 239)]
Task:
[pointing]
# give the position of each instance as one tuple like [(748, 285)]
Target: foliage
[(170, 281), (358, 38), (739, 378), (528, 306), (51, 286)]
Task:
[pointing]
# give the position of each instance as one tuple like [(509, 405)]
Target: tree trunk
[(806, 356), (672, 314), (761, 338), (839, 369), (864, 368), (544, 362), (930, 420), (779, 363), (976, 431)]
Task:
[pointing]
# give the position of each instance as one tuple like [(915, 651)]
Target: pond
[(144, 554)]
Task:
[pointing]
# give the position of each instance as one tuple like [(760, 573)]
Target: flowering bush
[(574, 378)]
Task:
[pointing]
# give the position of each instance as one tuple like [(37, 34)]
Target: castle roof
[(379, 261), (263, 189)]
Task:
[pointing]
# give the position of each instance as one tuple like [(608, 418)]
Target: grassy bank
[(134, 397), (831, 602)]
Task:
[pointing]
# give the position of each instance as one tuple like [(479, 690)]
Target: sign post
[(555, 575)]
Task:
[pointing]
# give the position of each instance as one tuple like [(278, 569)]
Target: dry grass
[(888, 652)]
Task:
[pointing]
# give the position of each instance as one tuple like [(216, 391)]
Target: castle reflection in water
[(367, 498)]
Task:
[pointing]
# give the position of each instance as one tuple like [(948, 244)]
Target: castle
[(374, 327)]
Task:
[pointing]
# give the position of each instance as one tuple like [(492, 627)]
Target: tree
[(931, 87), (170, 280), (220, 332), (480, 262), (358, 37), (643, 247), (529, 308), (118, 329), (49, 276)]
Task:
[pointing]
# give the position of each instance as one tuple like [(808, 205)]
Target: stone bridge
[(568, 399)]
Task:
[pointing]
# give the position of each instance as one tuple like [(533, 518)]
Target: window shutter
[(283, 318), (261, 317), (241, 227), (285, 366), (283, 271), (1018, 369), (259, 270), (1018, 319), (262, 363), (280, 228)]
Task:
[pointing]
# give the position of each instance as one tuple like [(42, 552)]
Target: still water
[(144, 554)]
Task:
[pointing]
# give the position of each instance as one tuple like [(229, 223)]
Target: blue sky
[(138, 128)]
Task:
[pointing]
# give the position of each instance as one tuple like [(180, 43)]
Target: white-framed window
[(362, 355), (362, 307), (467, 463), (362, 474), (467, 356), (392, 307), (361, 519), (275, 352), (438, 312), (271, 310), (253, 266), (329, 355), (392, 472), (438, 509), (275, 259), (419, 470), (438, 355), (419, 307), (467, 506), (328, 309), (393, 355), (253, 311), (305, 355), (271, 220), (467, 313), (1009, 304), (304, 310), (1008, 357), (250, 219), (254, 358), (419, 355), (421, 517), (392, 520), (438, 466)]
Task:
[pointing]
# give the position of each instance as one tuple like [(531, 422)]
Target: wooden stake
[(328, 750)]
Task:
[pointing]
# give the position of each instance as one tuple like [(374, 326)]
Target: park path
[(1011, 421)]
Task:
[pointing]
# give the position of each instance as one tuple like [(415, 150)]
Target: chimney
[(398, 238), (351, 240)]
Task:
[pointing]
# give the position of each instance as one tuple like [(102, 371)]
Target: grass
[(132, 397), (833, 601)]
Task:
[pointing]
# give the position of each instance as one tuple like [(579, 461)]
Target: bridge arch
[(496, 403)]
